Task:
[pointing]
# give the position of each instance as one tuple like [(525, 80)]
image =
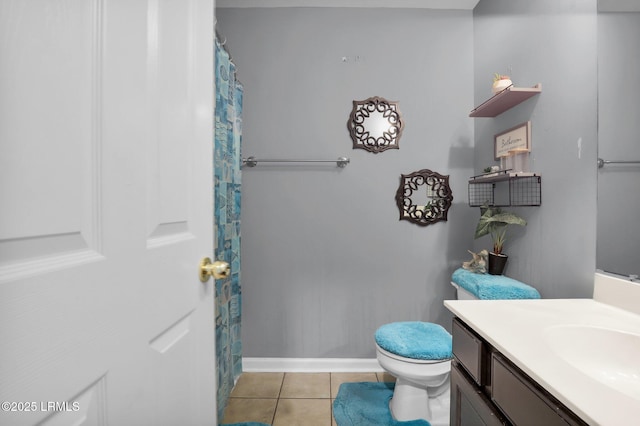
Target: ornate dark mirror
[(424, 197), (375, 124)]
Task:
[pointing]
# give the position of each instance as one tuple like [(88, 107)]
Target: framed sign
[(518, 137)]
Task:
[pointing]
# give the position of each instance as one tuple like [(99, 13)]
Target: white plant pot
[(500, 85)]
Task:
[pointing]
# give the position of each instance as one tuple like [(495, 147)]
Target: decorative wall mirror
[(375, 124), (424, 197)]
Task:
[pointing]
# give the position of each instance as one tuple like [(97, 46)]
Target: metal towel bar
[(253, 161), (602, 162)]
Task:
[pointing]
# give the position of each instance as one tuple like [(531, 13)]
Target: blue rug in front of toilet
[(367, 404)]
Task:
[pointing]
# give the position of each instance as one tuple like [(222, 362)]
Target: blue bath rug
[(367, 404)]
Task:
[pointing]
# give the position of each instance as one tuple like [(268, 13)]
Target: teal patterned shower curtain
[(227, 161)]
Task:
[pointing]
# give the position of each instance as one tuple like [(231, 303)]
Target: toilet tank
[(462, 294)]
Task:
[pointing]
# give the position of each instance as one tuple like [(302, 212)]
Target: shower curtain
[(227, 160)]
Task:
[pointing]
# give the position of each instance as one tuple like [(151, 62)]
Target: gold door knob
[(218, 269)]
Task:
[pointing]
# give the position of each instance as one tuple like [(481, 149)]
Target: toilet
[(419, 354)]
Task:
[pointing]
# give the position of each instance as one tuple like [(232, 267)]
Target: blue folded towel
[(415, 340), (493, 287)]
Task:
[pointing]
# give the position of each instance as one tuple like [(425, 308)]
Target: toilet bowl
[(418, 355), (422, 389)]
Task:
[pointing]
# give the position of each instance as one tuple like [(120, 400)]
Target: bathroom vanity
[(488, 389), (548, 361)]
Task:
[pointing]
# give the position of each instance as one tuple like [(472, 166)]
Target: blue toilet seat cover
[(415, 340)]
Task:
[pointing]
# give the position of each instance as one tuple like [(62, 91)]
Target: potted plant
[(494, 221), (500, 82)]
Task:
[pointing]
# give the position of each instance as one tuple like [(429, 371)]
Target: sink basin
[(609, 356)]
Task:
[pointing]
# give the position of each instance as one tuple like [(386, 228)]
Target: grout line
[(284, 376), (330, 398), (306, 399), (251, 397), (330, 385), (273, 419)]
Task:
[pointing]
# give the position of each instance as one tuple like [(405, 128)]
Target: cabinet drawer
[(469, 406), (469, 350), (522, 401)]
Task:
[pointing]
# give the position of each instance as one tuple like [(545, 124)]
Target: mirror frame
[(429, 214), (361, 135)]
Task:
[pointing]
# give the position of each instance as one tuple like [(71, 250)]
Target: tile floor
[(290, 399)]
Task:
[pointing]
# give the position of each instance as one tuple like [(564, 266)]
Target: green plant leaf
[(483, 228), (494, 221), (508, 219)]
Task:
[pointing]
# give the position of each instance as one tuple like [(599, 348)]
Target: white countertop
[(517, 328)]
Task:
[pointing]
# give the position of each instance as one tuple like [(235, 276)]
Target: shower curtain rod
[(253, 161), (602, 162)]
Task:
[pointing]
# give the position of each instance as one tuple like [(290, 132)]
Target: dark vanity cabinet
[(487, 389)]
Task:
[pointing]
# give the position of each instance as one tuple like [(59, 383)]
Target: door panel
[(35, 60), (105, 176), (169, 68)]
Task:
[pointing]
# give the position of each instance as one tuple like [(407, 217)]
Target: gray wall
[(325, 259), (554, 43), (619, 139)]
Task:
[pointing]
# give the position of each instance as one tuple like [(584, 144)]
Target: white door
[(106, 208)]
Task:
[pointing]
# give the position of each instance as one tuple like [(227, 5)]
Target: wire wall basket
[(505, 191)]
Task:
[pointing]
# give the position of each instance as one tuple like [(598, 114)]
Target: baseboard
[(311, 365)]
